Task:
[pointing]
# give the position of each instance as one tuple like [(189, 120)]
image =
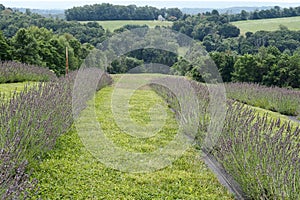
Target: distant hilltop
[(57, 4), (230, 10)]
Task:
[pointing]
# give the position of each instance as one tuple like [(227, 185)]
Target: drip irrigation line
[(223, 177)]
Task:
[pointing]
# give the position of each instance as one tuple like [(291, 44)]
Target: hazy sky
[(63, 4)]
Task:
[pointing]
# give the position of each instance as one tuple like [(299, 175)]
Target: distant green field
[(112, 25), (8, 89), (293, 23)]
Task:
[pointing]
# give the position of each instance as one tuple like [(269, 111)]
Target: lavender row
[(30, 123), (282, 100), (12, 72), (261, 154)]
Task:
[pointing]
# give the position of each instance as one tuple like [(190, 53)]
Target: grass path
[(71, 172)]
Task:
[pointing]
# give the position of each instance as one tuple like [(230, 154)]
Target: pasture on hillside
[(115, 24), (292, 23)]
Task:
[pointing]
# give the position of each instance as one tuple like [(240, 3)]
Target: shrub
[(12, 72)]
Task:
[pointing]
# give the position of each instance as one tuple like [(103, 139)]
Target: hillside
[(230, 10), (293, 23)]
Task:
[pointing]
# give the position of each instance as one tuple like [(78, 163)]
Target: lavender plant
[(30, 123), (12, 72), (282, 100), (201, 92), (262, 156), (260, 153)]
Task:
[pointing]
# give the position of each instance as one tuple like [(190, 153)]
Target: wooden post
[(67, 61)]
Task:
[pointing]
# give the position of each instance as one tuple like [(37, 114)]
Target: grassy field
[(7, 89), (293, 23), (112, 25), (71, 172)]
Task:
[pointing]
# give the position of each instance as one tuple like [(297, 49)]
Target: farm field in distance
[(293, 23), (115, 24)]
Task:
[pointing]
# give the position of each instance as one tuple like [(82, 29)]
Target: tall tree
[(26, 47), (4, 48)]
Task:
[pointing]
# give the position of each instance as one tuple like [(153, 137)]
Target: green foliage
[(269, 67), (181, 67), (124, 64), (12, 21), (25, 46), (229, 30), (106, 11), (152, 55), (4, 48), (246, 68), (225, 62), (39, 46)]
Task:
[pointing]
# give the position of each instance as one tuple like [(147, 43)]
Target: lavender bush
[(260, 153), (30, 123), (262, 156), (282, 100), (12, 72), (203, 99)]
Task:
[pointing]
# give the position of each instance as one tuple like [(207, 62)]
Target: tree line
[(106, 11), (266, 57), (275, 12), (270, 58), (41, 47), (11, 21), (269, 67), (217, 34)]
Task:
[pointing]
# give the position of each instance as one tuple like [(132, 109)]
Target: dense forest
[(11, 21), (270, 58), (106, 11)]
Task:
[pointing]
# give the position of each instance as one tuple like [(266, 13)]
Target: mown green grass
[(71, 172), (112, 25), (275, 115), (7, 89), (293, 23)]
